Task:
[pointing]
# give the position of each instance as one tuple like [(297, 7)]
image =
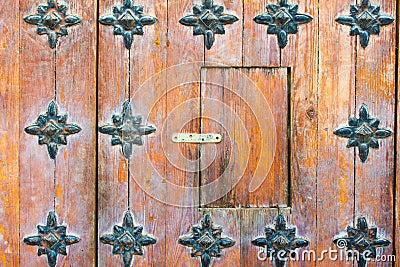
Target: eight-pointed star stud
[(282, 19), (280, 239), (127, 130), (365, 20), (206, 241), (52, 19), (363, 133), (52, 129), (208, 20), (127, 240), (51, 239), (128, 20), (362, 239)]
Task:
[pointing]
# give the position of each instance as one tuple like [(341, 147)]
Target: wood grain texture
[(375, 87), (396, 136), (76, 95), (301, 55), (335, 165), (227, 48), (147, 164), (182, 159), (9, 134), (113, 90), (255, 228), (249, 107), (36, 168), (259, 47), (230, 220)]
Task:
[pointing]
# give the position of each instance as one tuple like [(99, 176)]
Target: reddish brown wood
[(113, 90), (147, 167), (375, 86), (239, 111), (335, 165), (301, 55), (35, 166), (254, 228), (9, 135), (259, 48), (183, 48), (76, 94), (230, 221), (227, 48)]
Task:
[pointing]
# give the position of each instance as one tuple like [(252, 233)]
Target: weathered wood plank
[(227, 48), (36, 168), (249, 107), (230, 220), (113, 90), (252, 226), (301, 55), (375, 87), (259, 48), (183, 93), (9, 134), (147, 164), (76, 94), (396, 136), (335, 167)]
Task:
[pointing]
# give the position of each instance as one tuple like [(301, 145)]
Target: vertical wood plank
[(148, 59), (9, 134), (375, 87), (230, 221), (335, 165), (227, 48), (239, 103), (259, 47), (181, 164), (113, 90), (76, 95), (302, 54), (252, 226), (36, 168), (396, 137)]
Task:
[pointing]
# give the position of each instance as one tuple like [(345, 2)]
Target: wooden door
[(199, 133)]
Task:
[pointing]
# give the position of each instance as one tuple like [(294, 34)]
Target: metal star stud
[(52, 19), (282, 19), (362, 239), (128, 20), (127, 130), (363, 133), (280, 238), (206, 241), (51, 239), (127, 240), (208, 20), (52, 129), (365, 20)]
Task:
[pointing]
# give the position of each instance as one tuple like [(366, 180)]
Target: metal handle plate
[(196, 138)]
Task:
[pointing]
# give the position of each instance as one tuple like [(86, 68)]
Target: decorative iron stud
[(363, 133), (52, 19), (206, 241), (282, 19), (52, 129), (127, 20), (365, 20), (362, 239), (208, 20), (51, 239), (280, 239), (127, 240), (127, 130)]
